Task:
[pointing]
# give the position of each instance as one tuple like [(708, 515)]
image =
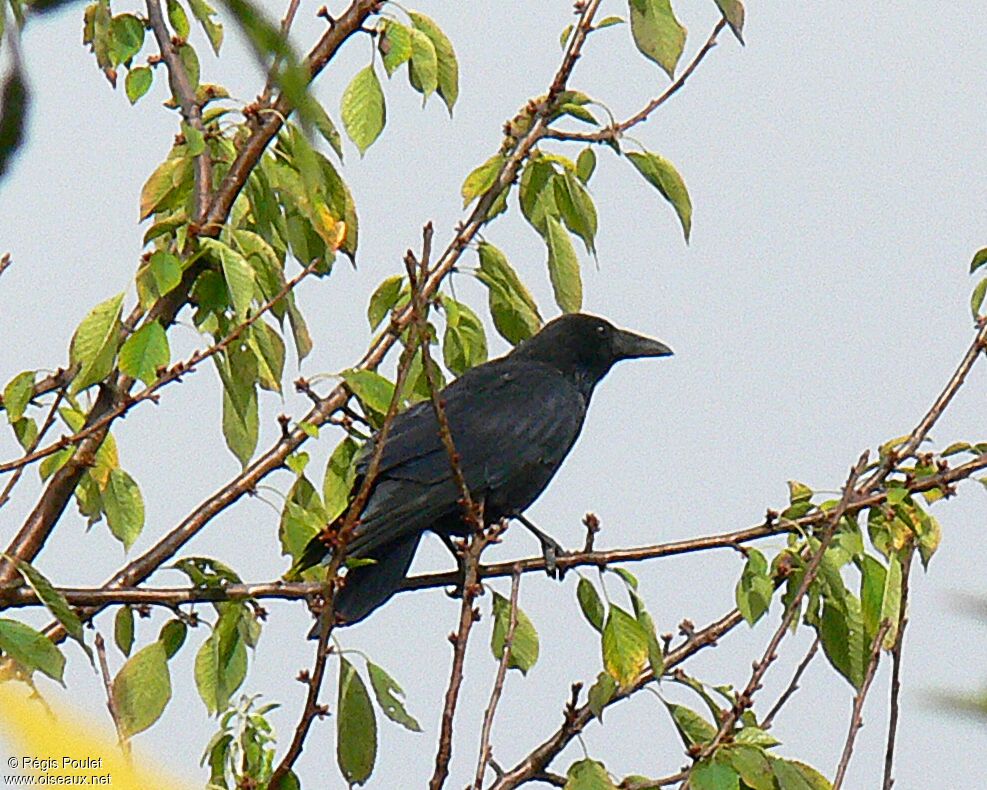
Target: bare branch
[(45, 427), (184, 92), (108, 686), (792, 687), (498, 686), (856, 722), (906, 567), (616, 131)]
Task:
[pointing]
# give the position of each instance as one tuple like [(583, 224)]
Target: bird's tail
[(367, 587)]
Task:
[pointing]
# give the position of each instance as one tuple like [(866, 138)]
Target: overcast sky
[(837, 167)]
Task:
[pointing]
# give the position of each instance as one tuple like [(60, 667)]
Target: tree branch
[(498, 686), (856, 722), (906, 567), (184, 92), (792, 687)]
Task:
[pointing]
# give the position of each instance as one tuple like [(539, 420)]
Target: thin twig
[(468, 615), (111, 702), (542, 755), (917, 436), (498, 686), (792, 687), (746, 697), (45, 427), (906, 566), (856, 720), (184, 91), (616, 131), (286, 22)]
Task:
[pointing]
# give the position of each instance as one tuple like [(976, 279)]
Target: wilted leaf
[(625, 646), (389, 694)]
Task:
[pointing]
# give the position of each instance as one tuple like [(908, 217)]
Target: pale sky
[(836, 165)]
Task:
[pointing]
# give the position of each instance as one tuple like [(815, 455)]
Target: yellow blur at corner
[(60, 743)]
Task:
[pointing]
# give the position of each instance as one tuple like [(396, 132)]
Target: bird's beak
[(627, 345)]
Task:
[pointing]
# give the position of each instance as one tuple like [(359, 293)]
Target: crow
[(513, 421)]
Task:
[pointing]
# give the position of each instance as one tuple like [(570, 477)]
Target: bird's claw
[(551, 551)]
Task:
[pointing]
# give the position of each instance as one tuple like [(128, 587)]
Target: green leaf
[(663, 176), (268, 348), (302, 518), (481, 179), (384, 299), (657, 33), (339, 477), (389, 694), (751, 764), (94, 344), (363, 110), (977, 297), (590, 603), (30, 648), (163, 182), (126, 38), (891, 601), (123, 629), (190, 60), (464, 344), (600, 693), (423, 70), (693, 728), (166, 270), (755, 736), (709, 775), (446, 63), (394, 44), (371, 389), (356, 727), (872, 580), (26, 431), (205, 13), (124, 507), (537, 193), (299, 331), (585, 164), (625, 647), (755, 588), (138, 82), (238, 372), (53, 600), (793, 775), (733, 13), (978, 260), (144, 352), (178, 18), (17, 395), (609, 21), (576, 205), (563, 267), (194, 139), (588, 774), (237, 273), (325, 125), (141, 689), (512, 306), (172, 637), (221, 663), (524, 646)]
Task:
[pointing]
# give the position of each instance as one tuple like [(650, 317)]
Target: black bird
[(513, 421)]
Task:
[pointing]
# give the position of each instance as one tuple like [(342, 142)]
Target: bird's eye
[(601, 330)]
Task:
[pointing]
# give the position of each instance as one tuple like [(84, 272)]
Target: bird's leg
[(460, 561), (550, 547)]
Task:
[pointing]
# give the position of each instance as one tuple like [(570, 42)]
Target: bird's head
[(585, 347)]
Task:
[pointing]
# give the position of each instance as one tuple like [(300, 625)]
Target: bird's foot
[(551, 550)]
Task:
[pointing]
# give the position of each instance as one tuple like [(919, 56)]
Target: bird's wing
[(507, 418)]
